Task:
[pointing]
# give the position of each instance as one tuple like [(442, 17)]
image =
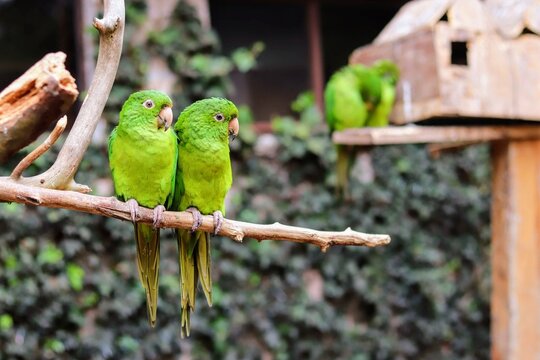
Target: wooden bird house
[(463, 58)]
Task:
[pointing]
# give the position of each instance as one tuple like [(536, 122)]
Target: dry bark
[(33, 102)]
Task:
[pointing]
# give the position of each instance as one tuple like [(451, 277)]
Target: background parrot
[(143, 155), (357, 96), (203, 178)]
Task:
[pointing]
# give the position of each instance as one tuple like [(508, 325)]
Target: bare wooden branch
[(31, 103), (61, 174), (41, 149), (11, 191), (413, 134)]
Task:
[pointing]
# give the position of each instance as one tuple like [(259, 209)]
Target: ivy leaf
[(50, 254), (75, 276), (6, 322)]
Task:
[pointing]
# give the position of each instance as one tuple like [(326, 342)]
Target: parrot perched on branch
[(143, 152), (358, 96), (203, 178)]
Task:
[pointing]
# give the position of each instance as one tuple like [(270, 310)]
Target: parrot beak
[(165, 118), (234, 127)]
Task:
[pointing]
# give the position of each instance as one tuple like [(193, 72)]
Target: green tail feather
[(344, 159), (194, 260), (204, 264), (147, 240)]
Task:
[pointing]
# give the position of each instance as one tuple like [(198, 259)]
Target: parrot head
[(148, 106), (216, 116)]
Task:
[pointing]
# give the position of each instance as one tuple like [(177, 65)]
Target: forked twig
[(40, 150)]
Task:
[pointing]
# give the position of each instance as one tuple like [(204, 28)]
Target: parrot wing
[(381, 113)]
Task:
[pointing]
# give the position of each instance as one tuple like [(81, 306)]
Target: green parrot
[(143, 153), (358, 96), (203, 178), (388, 74)]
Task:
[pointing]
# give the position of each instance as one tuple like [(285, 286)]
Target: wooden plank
[(526, 76), (515, 254), (414, 16), (508, 16), (368, 54), (412, 134), (532, 17), (458, 91), (490, 55), (468, 15)]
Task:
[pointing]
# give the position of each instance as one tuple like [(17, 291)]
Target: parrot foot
[(133, 209), (197, 217), (218, 221), (158, 215)]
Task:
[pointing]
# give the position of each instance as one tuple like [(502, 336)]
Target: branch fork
[(107, 25)]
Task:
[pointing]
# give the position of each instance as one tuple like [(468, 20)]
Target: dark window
[(459, 53)]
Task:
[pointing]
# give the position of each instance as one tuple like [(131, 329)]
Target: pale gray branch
[(108, 206)]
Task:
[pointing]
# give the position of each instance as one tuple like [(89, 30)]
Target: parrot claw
[(158, 215), (218, 221), (197, 218), (133, 209)]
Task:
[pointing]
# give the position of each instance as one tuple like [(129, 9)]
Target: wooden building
[(463, 58)]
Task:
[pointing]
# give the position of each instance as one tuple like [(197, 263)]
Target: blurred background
[(68, 281)]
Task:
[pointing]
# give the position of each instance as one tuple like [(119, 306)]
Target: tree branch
[(35, 100), (11, 191), (61, 174), (40, 150)]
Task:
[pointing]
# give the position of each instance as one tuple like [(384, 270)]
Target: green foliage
[(75, 276), (191, 52), (68, 281), (69, 286), (6, 322)]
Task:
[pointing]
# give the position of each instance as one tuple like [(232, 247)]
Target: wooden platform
[(515, 217), (415, 134)]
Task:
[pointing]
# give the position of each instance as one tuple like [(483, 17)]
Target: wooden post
[(515, 218), (515, 254), (315, 51)]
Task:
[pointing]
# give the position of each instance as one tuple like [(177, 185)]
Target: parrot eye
[(219, 117), (148, 104)]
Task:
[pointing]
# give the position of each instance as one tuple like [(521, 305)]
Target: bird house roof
[(509, 18)]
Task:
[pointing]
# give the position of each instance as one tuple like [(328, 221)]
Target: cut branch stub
[(35, 100)]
